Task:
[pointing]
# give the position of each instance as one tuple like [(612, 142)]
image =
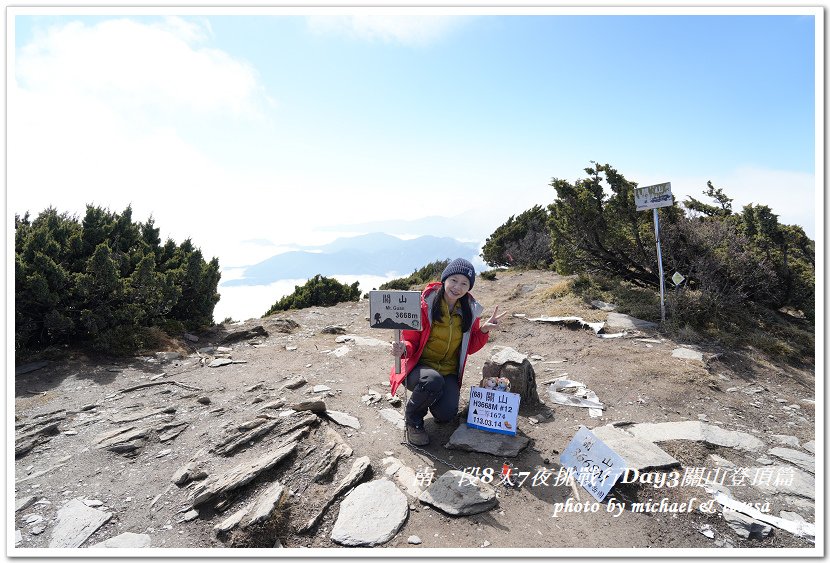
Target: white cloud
[(129, 65), (251, 301), (790, 195), (191, 31), (97, 114), (410, 30)]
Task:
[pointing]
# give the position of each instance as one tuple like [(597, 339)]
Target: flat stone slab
[(370, 515), (313, 405), (393, 416), (696, 431), (28, 368), (231, 521), (687, 354), (361, 341), (810, 446), (745, 526), (340, 351), (144, 413), (570, 321), (219, 362), (359, 470), (361, 467), (792, 517), (405, 477), (459, 494), (75, 523), (504, 354), (475, 440), (243, 474), (344, 419), (802, 484), (127, 539), (786, 440), (621, 321), (603, 306), (797, 458), (637, 453), (295, 383), (23, 503), (269, 501), (168, 356), (254, 332)]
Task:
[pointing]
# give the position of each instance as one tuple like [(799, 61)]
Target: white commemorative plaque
[(493, 410), (596, 467)]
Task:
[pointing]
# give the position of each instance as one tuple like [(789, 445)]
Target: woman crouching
[(433, 359)]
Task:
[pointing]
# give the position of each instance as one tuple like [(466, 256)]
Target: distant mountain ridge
[(371, 254)]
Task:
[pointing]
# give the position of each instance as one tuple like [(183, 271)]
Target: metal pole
[(398, 358), (405, 400), (660, 266)]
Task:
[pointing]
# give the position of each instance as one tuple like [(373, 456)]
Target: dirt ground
[(638, 382)]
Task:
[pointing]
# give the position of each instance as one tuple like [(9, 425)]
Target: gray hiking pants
[(431, 391)]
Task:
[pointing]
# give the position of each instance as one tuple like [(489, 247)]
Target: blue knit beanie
[(459, 266)]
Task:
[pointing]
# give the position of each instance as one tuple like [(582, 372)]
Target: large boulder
[(507, 362)]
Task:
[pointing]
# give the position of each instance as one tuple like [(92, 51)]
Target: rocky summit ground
[(199, 447)]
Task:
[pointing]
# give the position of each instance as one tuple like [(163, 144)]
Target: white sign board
[(492, 410), (677, 278), (395, 309), (596, 466), (652, 197)]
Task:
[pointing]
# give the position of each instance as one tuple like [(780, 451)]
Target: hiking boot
[(417, 436)]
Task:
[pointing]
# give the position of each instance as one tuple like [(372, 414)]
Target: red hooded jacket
[(416, 340)]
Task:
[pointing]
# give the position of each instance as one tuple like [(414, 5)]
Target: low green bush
[(419, 278), (318, 291), (102, 281)]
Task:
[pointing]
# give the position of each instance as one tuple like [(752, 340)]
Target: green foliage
[(595, 233), (489, 275), (521, 242), (420, 277), (724, 202), (730, 258), (318, 291), (734, 259), (741, 269), (104, 281)]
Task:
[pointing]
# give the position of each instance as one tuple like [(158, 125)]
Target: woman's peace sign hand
[(492, 321)]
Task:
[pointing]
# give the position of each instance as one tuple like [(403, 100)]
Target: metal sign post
[(398, 359), (652, 197), (660, 267)]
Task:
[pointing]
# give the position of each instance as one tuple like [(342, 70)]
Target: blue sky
[(232, 128)]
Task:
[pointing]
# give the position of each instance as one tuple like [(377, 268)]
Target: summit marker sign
[(652, 197), (395, 309), (400, 310)]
